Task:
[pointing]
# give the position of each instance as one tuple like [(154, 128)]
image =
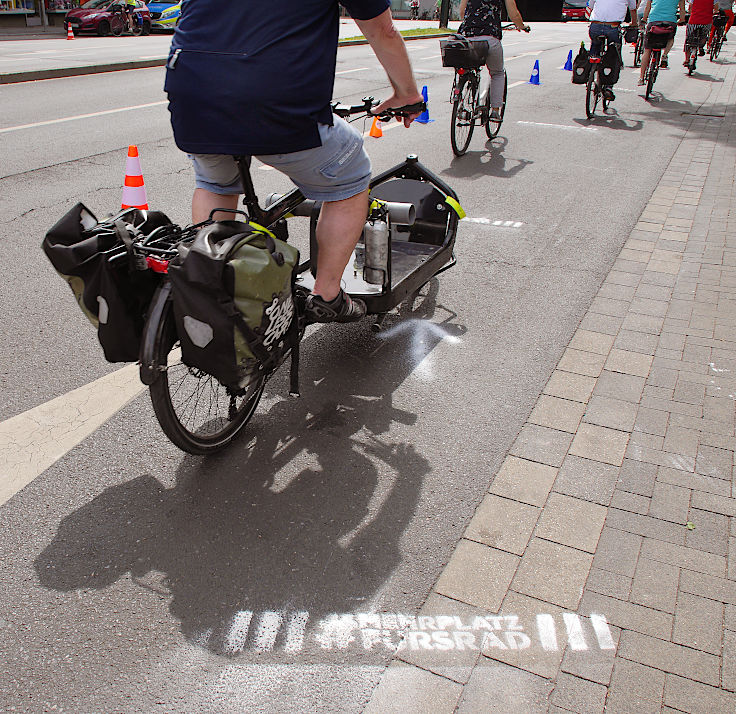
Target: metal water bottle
[(376, 239)]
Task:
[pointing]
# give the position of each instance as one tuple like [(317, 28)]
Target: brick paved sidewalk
[(606, 546)]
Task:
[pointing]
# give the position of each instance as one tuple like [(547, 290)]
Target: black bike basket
[(720, 20), (658, 36), (463, 53), (112, 287)]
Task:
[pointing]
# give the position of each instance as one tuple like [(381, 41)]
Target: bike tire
[(638, 52), (651, 75), (713, 51), (493, 126), (172, 395), (592, 92), (117, 24), (690, 67), (463, 117)]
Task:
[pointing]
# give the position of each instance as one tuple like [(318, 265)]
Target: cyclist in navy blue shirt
[(256, 78)]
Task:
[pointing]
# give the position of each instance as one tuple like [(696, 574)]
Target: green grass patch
[(418, 32)]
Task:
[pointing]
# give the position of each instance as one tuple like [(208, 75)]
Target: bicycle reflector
[(460, 70), (157, 265)]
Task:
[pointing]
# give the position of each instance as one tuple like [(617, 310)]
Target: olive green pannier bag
[(233, 299)]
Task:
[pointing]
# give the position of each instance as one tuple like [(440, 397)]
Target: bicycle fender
[(148, 371)]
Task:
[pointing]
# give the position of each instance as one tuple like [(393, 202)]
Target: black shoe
[(342, 309), (701, 52), (608, 94)]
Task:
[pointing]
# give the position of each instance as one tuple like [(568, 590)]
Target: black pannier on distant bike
[(111, 285), (581, 66), (464, 53), (610, 65)]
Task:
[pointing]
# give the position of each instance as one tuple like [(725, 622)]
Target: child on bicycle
[(482, 21), (698, 27), (606, 17)]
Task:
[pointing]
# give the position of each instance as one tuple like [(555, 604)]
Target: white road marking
[(147, 57), (348, 71), (523, 54), (574, 631), (430, 57), (492, 222), (33, 441), (602, 632), (547, 632), (82, 116), (516, 84), (238, 632), (268, 630), (558, 126)]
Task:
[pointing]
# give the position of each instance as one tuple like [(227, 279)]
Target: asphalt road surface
[(136, 578)]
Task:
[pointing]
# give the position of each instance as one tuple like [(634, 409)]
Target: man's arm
[(514, 15), (682, 12), (463, 5), (390, 49), (646, 11), (633, 6)]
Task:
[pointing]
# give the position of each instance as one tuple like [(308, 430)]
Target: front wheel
[(651, 74), (146, 27), (592, 92), (103, 29), (117, 25), (493, 126), (195, 411), (463, 117)]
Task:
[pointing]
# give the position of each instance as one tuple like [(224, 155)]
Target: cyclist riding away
[(606, 17), (414, 9), (698, 27), (725, 7), (129, 8), (665, 14), (482, 21), (256, 78)]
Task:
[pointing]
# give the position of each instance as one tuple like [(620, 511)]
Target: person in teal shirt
[(661, 12)]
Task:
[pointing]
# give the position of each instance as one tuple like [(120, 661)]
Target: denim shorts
[(337, 170)]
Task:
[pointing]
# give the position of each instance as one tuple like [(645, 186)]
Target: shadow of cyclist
[(255, 546), (491, 162), (611, 120)]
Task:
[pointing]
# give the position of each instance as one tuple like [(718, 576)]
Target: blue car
[(164, 15)]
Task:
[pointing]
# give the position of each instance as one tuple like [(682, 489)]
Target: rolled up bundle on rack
[(403, 214)]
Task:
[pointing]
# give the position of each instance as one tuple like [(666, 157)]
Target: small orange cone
[(134, 192), (376, 130), (69, 31)]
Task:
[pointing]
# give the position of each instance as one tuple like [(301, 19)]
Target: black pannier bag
[(720, 20), (610, 65), (112, 290), (463, 53), (631, 35), (581, 66), (233, 299)]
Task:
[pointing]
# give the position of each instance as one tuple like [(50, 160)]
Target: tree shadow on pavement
[(490, 162), (254, 545)]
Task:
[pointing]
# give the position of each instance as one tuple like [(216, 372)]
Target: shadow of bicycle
[(490, 162), (299, 519)]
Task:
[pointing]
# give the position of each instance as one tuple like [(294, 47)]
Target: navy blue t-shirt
[(255, 76)]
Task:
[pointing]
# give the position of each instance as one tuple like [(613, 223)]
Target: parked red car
[(573, 10), (96, 15)]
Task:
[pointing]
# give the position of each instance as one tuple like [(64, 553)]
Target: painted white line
[(547, 632), (516, 84), (430, 57), (523, 54), (574, 631), (491, 222), (295, 631), (238, 632), (33, 441), (602, 632), (558, 126), (268, 630), (348, 71), (145, 57), (81, 116)]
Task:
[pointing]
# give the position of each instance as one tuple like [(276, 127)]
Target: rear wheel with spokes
[(493, 126), (463, 116), (592, 93), (195, 411)]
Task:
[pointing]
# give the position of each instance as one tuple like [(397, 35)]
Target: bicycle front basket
[(464, 53)]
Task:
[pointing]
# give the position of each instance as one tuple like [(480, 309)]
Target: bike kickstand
[(378, 322)]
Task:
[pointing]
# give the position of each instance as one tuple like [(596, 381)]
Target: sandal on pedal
[(664, 64), (641, 82), (342, 309)]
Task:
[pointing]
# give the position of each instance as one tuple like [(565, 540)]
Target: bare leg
[(667, 49), (339, 227), (645, 63), (204, 202)]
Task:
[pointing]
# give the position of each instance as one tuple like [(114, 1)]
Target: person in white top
[(606, 17)]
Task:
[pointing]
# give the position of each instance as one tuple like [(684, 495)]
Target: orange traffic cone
[(376, 130), (69, 31), (134, 192)]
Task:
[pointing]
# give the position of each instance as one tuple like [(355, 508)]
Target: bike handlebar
[(344, 110)]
